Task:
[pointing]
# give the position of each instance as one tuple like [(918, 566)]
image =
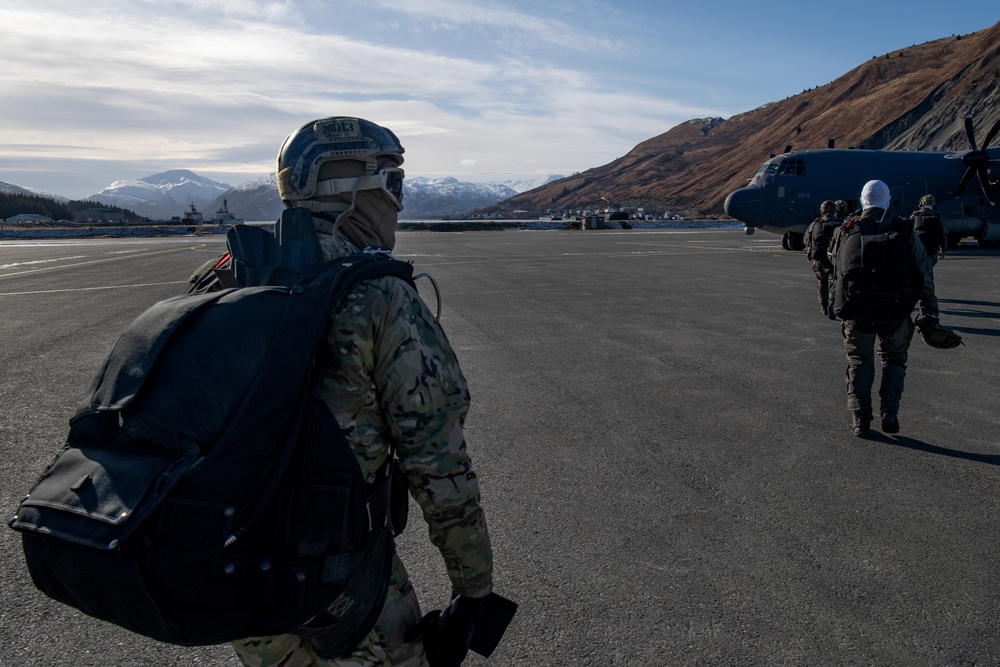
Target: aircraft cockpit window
[(792, 167), (766, 173)]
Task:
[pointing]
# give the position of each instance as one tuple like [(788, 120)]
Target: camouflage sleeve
[(420, 390)]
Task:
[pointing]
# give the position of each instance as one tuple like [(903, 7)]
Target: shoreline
[(12, 232)]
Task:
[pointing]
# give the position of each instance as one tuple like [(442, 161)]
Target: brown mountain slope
[(912, 99)]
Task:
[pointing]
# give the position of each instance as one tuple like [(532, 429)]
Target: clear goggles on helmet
[(391, 180), (388, 179)]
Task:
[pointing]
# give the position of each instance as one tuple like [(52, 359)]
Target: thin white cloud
[(487, 17), (215, 88), (269, 10)]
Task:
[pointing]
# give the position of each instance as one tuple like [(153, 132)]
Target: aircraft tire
[(796, 242), (784, 242)]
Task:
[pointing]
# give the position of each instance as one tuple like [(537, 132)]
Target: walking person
[(881, 270), (396, 388), (817, 242)]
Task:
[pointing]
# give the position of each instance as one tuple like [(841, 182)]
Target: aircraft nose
[(739, 204), (732, 205), (728, 206)]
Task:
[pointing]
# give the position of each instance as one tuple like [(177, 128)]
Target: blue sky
[(98, 90)]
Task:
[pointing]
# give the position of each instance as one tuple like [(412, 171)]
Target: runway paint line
[(100, 261), (39, 261), (93, 289)]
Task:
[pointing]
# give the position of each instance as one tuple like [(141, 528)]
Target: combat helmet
[(827, 208), (842, 208), (339, 138), (928, 200)]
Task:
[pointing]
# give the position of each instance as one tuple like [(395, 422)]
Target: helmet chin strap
[(354, 197), (336, 186)]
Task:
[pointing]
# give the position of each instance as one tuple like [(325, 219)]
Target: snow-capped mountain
[(531, 184), (162, 196), (11, 189), (438, 197), (422, 197)]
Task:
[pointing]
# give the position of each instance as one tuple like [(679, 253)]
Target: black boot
[(890, 422), (862, 426)]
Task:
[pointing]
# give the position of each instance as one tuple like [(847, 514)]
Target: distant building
[(29, 217), (99, 215)]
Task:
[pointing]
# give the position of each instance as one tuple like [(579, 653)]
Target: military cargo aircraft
[(785, 194)]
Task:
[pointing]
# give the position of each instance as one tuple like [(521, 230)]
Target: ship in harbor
[(192, 217), (221, 217)]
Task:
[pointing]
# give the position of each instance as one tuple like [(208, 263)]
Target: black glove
[(447, 632)]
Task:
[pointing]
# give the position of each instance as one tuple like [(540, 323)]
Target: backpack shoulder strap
[(343, 273)]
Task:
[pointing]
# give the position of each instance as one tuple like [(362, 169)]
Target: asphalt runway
[(660, 429)]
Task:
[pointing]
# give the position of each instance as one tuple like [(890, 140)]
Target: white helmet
[(875, 194)]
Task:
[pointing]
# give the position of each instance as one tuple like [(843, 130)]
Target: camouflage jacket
[(397, 383)]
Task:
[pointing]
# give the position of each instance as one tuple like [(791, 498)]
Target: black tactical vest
[(876, 274)]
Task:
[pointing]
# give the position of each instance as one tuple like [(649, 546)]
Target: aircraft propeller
[(977, 161)]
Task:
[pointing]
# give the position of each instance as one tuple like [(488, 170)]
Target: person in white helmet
[(881, 270)]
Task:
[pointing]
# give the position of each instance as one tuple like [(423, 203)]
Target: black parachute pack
[(205, 492), (876, 278), (819, 240), (927, 226)]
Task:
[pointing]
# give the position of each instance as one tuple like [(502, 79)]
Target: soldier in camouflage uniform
[(396, 385), (817, 242)]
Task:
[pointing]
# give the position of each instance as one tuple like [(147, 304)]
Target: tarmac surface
[(660, 428)]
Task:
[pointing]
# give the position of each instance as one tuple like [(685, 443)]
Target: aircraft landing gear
[(792, 241)]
